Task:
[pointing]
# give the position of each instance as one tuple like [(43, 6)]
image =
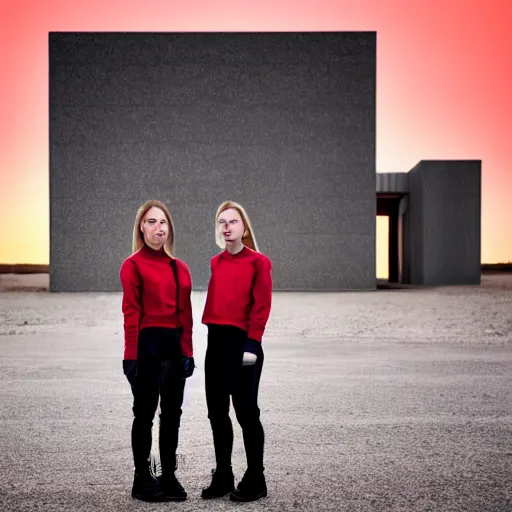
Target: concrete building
[(283, 123), (434, 222)]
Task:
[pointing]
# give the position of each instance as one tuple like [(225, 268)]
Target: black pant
[(158, 359), (225, 376)]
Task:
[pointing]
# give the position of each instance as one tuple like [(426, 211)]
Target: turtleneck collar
[(241, 254), (154, 254)]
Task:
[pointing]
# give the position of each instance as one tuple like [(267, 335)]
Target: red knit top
[(149, 297), (240, 291)]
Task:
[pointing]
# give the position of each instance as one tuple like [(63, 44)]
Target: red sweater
[(149, 297), (240, 291)]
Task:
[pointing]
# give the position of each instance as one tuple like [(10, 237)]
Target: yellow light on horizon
[(381, 247)]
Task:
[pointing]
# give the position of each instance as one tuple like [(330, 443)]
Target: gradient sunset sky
[(444, 82)]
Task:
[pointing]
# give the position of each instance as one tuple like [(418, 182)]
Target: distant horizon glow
[(443, 91)]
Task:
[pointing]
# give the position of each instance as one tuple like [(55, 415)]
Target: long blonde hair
[(248, 239), (138, 238)]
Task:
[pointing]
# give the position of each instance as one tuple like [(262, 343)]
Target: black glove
[(130, 368), (252, 346), (187, 366)]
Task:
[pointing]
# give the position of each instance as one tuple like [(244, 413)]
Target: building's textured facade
[(283, 123), (434, 214), (442, 224)]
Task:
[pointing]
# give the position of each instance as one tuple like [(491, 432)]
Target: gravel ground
[(394, 400)]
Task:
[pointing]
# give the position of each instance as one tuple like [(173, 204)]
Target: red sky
[(444, 82)]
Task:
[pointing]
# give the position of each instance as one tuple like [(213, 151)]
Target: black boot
[(172, 488), (223, 482), (252, 487), (168, 444), (147, 488)]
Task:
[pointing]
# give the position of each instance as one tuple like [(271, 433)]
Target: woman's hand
[(130, 368), (252, 350), (187, 366)]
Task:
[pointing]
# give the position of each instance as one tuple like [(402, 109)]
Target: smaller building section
[(434, 215)]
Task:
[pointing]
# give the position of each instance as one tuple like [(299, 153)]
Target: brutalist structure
[(283, 123)]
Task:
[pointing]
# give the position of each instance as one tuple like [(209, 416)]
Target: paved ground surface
[(396, 400)]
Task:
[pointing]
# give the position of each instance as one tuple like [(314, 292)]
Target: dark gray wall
[(282, 122), (443, 223)]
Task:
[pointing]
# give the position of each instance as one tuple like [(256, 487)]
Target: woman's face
[(155, 227), (230, 225)]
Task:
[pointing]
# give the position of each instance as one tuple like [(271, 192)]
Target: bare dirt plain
[(394, 400)]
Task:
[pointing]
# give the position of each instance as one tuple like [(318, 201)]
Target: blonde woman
[(236, 312), (158, 354)]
